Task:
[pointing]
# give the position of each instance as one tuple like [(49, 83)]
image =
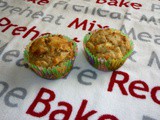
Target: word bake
[(122, 3), (81, 114), (39, 2)]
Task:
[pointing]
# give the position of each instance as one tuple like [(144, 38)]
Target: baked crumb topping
[(108, 43), (50, 51)]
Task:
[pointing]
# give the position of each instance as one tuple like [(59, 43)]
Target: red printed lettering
[(45, 102), (39, 2), (66, 112), (107, 117), (133, 87), (5, 20), (85, 24), (136, 5), (42, 2), (154, 93), (120, 83), (7, 23), (31, 30), (77, 24), (122, 3), (17, 30), (80, 115), (101, 1)]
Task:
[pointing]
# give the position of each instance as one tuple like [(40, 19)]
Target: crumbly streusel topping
[(108, 43), (50, 51)]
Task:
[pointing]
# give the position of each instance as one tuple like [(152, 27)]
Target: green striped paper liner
[(55, 72), (101, 63)]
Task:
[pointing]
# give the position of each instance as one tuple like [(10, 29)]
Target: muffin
[(51, 56), (107, 49)]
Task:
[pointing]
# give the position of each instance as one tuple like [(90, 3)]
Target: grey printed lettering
[(5, 87), (26, 10), (143, 35), (91, 74), (126, 16), (152, 58), (7, 7), (93, 11), (74, 68), (78, 8), (37, 14), (131, 32), (157, 40), (19, 93), (2, 48), (8, 55), (147, 118), (3, 4), (152, 19), (155, 7), (57, 22), (86, 10), (20, 62), (115, 15), (48, 18), (102, 13), (143, 18), (131, 58), (15, 10), (59, 3)]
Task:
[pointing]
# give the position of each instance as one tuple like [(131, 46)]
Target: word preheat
[(28, 12)]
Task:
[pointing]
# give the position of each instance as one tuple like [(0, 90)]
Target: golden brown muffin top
[(108, 43), (50, 51)]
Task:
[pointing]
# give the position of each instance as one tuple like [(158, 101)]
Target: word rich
[(122, 3)]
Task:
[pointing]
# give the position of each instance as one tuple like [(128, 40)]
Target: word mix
[(85, 24), (89, 26)]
